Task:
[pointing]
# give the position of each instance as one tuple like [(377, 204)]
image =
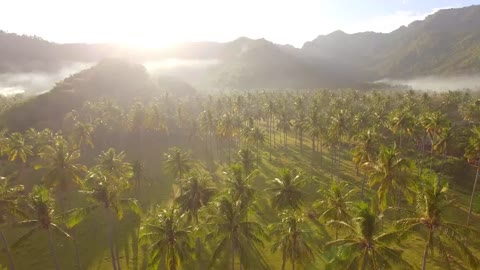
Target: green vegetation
[(258, 180)]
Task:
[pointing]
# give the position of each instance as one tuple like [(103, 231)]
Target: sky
[(159, 23)]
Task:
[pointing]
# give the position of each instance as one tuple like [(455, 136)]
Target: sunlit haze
[(163, 23)]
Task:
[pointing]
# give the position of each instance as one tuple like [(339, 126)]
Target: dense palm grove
[(265, 180)]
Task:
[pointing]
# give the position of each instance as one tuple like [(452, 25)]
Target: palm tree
[(138, 176), (106, 189), (287, 191), (235, 235), (444, 139), (429, 222), (169, 239), (401, 122), (196, 193), (336, 202), (364, 151), (113, 165), (433, 122), (176, 162), (239, 186), (257, 137), (82, 135), (156, 120), (227, 129), (106, 182), (363, 248), (284, 125), (293, 238), (17, 148), (247, 158), (59, 161), (9, 208), (41, 206), (472, 153), (3, 141), (388, 172)]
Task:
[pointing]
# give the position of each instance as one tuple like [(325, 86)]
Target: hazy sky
[(161, 23)]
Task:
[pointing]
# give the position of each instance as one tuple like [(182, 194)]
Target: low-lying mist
[(437, 83), (173, 63), (37, 82)]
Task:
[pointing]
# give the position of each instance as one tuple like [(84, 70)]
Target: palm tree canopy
[(430, 223), (196, 193), (287, 191), (59, 161), (231, 229), (168, 238), (177, 162), (364, 248)]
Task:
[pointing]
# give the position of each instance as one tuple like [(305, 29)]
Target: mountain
[(445, 43), (115, 79)]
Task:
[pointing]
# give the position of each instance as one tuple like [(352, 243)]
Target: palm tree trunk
[(7, 249), (284, 260), (293, 257), (270, 136), (77, 253), (363, 184), (258, 154), (52, 249), (425, 254), (301, 142), (473, 194), (232, 267), (117, 252), (108, 221)]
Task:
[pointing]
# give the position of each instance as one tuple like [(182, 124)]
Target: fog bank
[(437, 83), (37, 82)]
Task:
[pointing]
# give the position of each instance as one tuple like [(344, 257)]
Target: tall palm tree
[(196, 193), (106, 183), (105, 189), (177, 163), (247, 158), (82, 135), (364, 248), (41, 206), (138, 176), (287, 193), (238, 183), (389, 173), (336, 202), (59, 161), (429, 222), (444, 139), (17, 148), (293, 238), (401, 122), (9, 208), (284, 124), (168, 237), (256, 137), (364, 150), (472, 153), (3, 141), (228, 127), (235, 235)]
